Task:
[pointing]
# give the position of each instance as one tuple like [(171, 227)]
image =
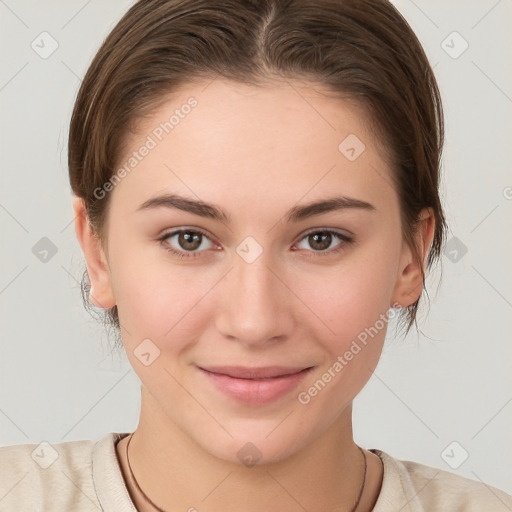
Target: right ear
[(101, 295)]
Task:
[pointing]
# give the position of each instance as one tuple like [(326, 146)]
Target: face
[(249, 314)]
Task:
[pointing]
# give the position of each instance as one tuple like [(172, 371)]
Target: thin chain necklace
[(160, 510)]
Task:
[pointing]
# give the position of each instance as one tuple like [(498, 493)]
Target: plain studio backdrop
[(442, 397)]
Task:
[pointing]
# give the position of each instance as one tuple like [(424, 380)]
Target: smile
[(254, 385)]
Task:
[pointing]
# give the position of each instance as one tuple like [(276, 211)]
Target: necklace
[(160, 510)]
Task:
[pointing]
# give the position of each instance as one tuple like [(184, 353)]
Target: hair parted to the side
[(361, 50)]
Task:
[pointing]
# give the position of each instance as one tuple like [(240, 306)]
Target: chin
[(243, 452), (254, 443)]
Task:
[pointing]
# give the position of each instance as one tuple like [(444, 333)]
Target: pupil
[(189, 240), (324, 238)]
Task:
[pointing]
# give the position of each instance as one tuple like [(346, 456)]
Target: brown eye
[(320, 241), (186, 242), (189, 240), (324, 242)]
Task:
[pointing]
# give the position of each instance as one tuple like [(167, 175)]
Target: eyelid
[(345, 241), (339, 232), (166, 233)]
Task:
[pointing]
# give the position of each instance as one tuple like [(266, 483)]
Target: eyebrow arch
[(295, 214)]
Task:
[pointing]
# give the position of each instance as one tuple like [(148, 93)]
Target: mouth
[(242, 372), (255, 385)]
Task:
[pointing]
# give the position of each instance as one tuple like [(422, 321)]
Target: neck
[(177, 474)]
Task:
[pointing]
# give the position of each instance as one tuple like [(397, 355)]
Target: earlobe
[(101, 294), (409, 283)]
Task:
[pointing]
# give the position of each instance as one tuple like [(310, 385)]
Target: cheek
[(353, 308), (348, 299), (157, 299)]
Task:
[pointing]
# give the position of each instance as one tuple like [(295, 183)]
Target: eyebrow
[(295, 214)]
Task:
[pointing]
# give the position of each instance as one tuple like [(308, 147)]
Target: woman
[(256, 185)]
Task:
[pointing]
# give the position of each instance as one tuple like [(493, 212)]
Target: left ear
[(409, 284)]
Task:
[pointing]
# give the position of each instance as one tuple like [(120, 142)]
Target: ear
[(101, 294), (409, 284)]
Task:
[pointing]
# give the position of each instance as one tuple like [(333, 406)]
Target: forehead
[(230, 142)]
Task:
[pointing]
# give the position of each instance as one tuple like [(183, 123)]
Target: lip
[(255, 385)]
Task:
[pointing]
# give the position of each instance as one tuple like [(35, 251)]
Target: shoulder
[(46, 475), (414, 487)]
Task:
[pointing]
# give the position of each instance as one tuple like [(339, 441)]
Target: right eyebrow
[(196, 207)]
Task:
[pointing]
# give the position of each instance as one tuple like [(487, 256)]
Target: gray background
[(435, 397)]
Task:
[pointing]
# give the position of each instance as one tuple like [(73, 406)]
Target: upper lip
[(244, 372)]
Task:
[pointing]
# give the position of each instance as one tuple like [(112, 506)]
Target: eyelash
[(346, 240)]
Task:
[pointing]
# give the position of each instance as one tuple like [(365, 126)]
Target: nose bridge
[(256, 308), (256, 282)]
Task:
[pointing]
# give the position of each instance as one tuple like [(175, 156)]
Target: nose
[(256, 306)]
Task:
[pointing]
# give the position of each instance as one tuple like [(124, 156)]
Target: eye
[(321, 241), (186, 243), (190, 243)]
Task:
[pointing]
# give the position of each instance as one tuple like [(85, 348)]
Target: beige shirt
[(85, 476)]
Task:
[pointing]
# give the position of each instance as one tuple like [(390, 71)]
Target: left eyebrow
[(302, 212), (295, 214)]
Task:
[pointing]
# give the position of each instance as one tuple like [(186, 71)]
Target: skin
[(255, 152)]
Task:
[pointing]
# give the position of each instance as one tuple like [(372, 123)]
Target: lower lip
[(255, 391)]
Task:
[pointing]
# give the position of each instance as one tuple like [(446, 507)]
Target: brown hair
[(363, 50)]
